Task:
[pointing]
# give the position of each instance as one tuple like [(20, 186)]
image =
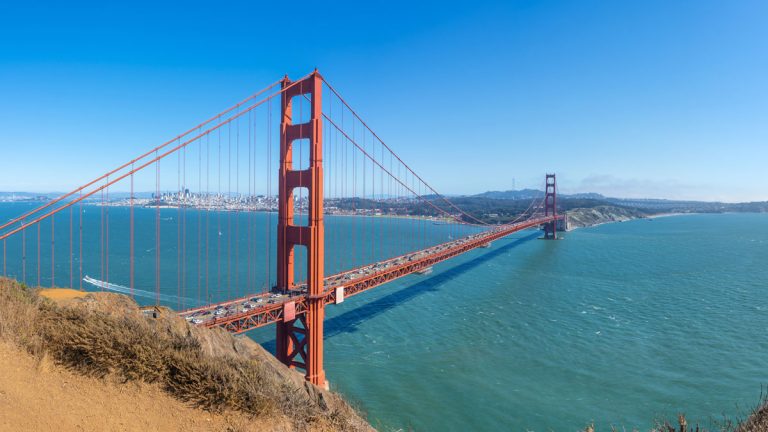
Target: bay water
[(616, 324)]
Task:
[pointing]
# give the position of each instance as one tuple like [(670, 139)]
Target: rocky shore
[(587, 217)]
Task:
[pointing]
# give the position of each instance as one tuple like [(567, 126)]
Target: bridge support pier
[(300, 339), (550, 207)]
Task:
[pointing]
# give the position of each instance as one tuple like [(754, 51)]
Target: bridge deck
[(258, 310)]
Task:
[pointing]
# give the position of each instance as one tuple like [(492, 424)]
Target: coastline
[(592, 217), (247, 210)]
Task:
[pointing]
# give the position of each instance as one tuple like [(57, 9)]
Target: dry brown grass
[(100, 341), (19, 308), (756, 421)]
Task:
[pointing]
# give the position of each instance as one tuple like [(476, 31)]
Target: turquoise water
[(205, 256), (615, 324)]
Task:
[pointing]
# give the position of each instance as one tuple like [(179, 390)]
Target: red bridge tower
[(550, 207), (300, 340)]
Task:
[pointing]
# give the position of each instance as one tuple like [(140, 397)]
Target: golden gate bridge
[(295, 148)]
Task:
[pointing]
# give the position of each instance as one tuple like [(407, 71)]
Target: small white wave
[(139, 292)]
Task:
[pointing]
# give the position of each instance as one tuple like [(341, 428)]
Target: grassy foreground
[(756, 421), (106, 336)]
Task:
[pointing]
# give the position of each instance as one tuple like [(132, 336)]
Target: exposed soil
[(37, 395)]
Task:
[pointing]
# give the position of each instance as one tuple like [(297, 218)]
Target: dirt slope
[(36, 395), (98, 362)]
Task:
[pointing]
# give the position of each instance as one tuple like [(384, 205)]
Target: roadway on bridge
[(261, 309)]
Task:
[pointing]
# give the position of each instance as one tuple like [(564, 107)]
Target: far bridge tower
[(550, 207)]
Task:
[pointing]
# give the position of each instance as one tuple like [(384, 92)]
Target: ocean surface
[(616, 324)]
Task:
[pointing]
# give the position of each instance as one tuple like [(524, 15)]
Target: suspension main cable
[(398, 158), (157, 158), (133, 161), (336, 126)]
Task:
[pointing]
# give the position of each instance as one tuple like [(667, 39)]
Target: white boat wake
[(141, 293)]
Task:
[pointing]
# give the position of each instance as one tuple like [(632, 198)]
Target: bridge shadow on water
[(349, 321)]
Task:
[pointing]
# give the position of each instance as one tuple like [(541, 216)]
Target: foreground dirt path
[(39, 396)]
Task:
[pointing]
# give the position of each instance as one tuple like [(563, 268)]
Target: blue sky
[(632, 98)]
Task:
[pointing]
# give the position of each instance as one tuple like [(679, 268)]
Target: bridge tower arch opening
[(550, 207), (299, 339)]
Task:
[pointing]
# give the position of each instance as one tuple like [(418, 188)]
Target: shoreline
[(245, 210), (629, 219)]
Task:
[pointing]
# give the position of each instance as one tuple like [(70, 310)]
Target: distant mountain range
[(503, 202), (651, 205), (527, 194)]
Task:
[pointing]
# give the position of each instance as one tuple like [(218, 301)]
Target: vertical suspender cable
[(186, 202), (237, 205), (106, 232), (101, 239), (362, 202), (53, 251), (38, 254), (207, 217), (329, 148), (157, 231), (249, 210), (344, 189), (392, 249), (80, 244), (269, 197), (131, 246), (179, 203), (229, 213), (374, 201), (355, 216), (218, 222), (199, 220), (24, 255)]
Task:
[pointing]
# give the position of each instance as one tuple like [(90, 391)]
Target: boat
[(104, 285), (425, 271)]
